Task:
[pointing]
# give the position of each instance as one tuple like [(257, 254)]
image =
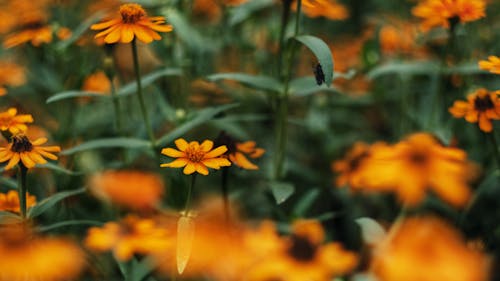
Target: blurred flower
[(237, 152), (431, 244), (10, 201), (207, 10), (29, 153), (133, 21), (11, 75), (132, 235), (25, 256), (36, 35), (64, 33), (349, 168), (196, 157), (481, 106), (97, 82), (397, 36), (10, 121), (492, 64), (133, 189), (329, 9), (444, 12)]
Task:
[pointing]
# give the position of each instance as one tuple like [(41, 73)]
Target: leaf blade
[(322, 52)]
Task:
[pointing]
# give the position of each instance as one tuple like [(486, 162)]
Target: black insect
[(318, 74)]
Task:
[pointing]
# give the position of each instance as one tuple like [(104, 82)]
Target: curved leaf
[(371, 230), (304, 86), (108, 142), (148, 79), (73, 94), (60, 169), (322, 52), (412, 68), (242, 12), (69, 222), (259, 82), (281, 191), (47, 203), (8, 218)]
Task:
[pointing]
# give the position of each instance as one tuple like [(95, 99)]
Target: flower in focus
[(10, 121), (492, 64), (134, 189), (133, 22), (11, 75), (132, 235), (29, 257), (481, 107), (97, 82), (29, 153), (10, 201), (431, 244), (196, 157), (237, 152), (445, 12), (329, 9)]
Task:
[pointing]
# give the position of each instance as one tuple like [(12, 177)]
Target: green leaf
[(371, 231), (8, 218), (47, 203), (304, 86), (108, 142), (201, 117), (407, 68), (281, 191), (134, 270), (69, 222), (8, 182), (187, 33), (242, 12), (73, 94), (259, 82), (147, 80), (60, 169), (80, 29), (322, 52), (305, 202)]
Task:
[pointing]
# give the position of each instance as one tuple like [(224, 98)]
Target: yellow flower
[(324, 8), (481, 106), (441, 12), (29, 153), (10, 201), (195, 157), (133, 22), (492, 64), (10, 121)]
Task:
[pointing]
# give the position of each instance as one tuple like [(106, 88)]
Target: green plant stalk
[(189, 194), (145, 117), (494, 143), (116, 107), (22, 188)]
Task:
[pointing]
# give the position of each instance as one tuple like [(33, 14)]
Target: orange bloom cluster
[(29, 153), (481, 107), (427, 249), (409, 168), (11, 75), (10, 121), (492, 64), (398, 36), (442, 12), (10, 201), (329, 9), (97, 82)]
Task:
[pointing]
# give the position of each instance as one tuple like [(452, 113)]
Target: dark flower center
[(21, 144), (483, 103), (302, 249), (356, 160), (418, 158), (131, 13)]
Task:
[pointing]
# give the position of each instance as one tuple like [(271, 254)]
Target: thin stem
[(137, 71), (284, 21), (22, 189), (496, 154), (225, 191), (116, 107), (190, 191)]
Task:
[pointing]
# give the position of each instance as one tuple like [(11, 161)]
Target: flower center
[(483, 103), (21, 143), (194, 154), (302, 249), (131, 13), (418, 157), (355, 162)]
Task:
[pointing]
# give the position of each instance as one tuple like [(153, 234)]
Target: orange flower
[(443, 12), (11, 75), (134, 189), (329, 9), (132, 235), (29, 153), (132, 22), (237, 151), (492, 64), (431, 244), (349, 167), (10, 201), (10, 121), (97, 82), (481, 106), (25, 256), (36, 36), (196, 157)]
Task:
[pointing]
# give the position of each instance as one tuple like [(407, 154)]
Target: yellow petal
[(189, 169), (177, 163), (207, 145), (181, 144), (216, 152), (202, 169)]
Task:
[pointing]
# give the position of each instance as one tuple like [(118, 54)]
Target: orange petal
[(202, 169), (13, 161), (207, 145), (177, 163), (105, 24), (181, 144), (113, 36), (189, 169), (127, 34), (243, 162)]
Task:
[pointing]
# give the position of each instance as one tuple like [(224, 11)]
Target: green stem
[(190, 191), (116, 107), (284, 21), (22, 189), (493, 141), (137, 71)]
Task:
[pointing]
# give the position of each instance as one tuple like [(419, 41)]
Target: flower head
[(36, 35), (133, 22), (481, 107), (324, 8), (237, 152), (29, 153), (349, 167), (97, 82), (196, 157), (10, 201), (10, 121), (445, 12), (492, 64)]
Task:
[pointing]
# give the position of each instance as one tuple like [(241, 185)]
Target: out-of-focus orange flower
[(97, 82), (133, 189), (37, 36), (29, 153), (25, 256), (415, 165), (329, 9), (207, 10), (481, 107), (400, 37), (10, 121), (133, 22), (64, 33), (11, 75), (237, 152), (132, 235), (10, 201), (196, 157), (492, 64), (443, 12), (349, 168), (431, 244)]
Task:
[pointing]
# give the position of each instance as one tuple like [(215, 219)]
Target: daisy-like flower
[(481, 107), (196, 157), (29, 153), (10, 201), (443, 12), (324, 8), (133, 22), (492, 64), (10, 121)]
